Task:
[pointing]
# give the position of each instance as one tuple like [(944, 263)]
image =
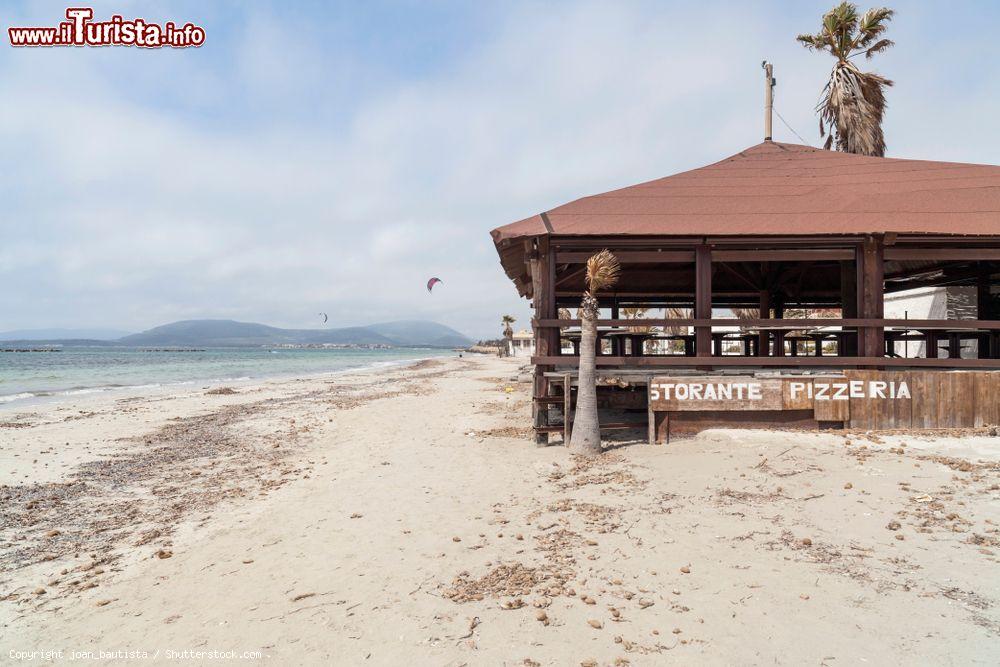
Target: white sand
[(314, 521)]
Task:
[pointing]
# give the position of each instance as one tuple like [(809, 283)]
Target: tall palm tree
[(853, 101), (602, 273), (508, 332)]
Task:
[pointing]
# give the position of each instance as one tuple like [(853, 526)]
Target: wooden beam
[(873, 294), (550, 309), (546, 340), (848, 303), (784, 255), (763, 339), (984, 297), (749, 296), (630, 256), (703, 299), (576, 273), (729, 268), (898, 253)]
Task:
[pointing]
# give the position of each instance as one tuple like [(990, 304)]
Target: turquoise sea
[(30, 376)]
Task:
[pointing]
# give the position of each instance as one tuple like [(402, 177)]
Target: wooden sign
[(868, 399), (714, 393)]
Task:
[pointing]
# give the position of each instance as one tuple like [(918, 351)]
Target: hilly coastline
[(229, 333)]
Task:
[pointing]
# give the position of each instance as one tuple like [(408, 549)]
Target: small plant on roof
[(853, 102), (602, 274)]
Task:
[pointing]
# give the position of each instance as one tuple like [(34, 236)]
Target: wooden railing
[(676, 361), (779, 323), (990, 329)]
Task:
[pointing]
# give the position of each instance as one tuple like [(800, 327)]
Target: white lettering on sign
[(821, 390), (706, 391)]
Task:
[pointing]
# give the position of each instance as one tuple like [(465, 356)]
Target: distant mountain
[(420, 332), (227, 333), (57, 334)]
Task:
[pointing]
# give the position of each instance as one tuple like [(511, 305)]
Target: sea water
[(27, 377)]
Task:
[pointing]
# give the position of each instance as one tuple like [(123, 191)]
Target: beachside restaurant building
[(804, 245)]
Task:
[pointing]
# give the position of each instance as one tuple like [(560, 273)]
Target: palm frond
[(813, 42), (602, 271), (746, 313), (853, 107), (872, 24), (879, 47), (636, 313), (841, 23), (677, 314)]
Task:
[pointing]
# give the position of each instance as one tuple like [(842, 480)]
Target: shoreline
[(407, 517), (26, 399)]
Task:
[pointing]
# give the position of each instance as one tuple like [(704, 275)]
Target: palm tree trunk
[(586, 435)]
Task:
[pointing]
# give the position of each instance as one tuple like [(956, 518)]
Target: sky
[(331, 157)]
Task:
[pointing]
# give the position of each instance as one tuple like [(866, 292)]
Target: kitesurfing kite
[(432, 282), (325, 318)]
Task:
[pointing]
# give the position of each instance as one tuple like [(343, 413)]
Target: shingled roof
[(786, 189)]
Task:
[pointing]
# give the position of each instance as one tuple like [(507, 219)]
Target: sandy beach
[(406, 516)]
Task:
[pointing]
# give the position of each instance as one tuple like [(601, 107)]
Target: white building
[(524, 343), (932, 303)]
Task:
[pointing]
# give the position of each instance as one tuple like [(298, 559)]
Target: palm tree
[(677, 314), (564, 314), (635, 313), (853, 101), (602, 273), (508, 332)]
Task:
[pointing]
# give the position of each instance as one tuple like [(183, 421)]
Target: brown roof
[(787, 189)]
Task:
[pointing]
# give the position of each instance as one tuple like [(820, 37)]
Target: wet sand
[(407, 517)]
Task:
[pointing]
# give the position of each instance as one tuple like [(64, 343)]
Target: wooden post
[(985, 309), (763, 339), (931, 346), (984, 298), (551, 310), (703, 299), (768, 98), (779, 334), (543, 300), (872, 292), (848, 307)]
